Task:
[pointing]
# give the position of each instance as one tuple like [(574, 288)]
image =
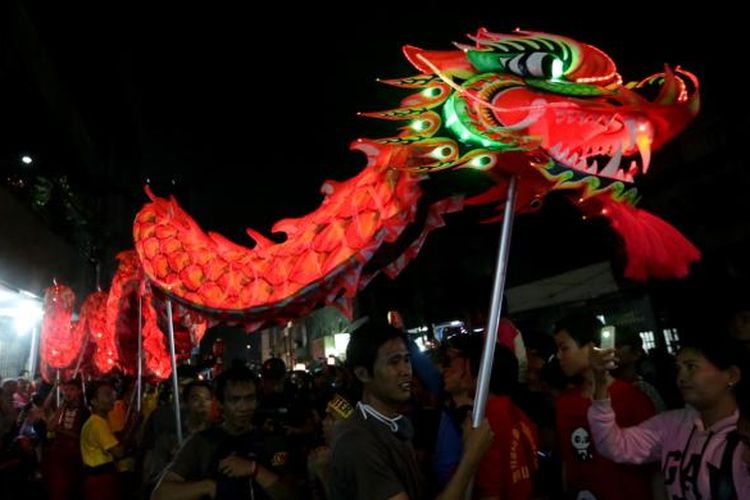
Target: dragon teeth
[(610, 170), (633, 168)]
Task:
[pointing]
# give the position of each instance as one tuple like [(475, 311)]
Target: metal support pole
[(490, 338), (34, 351), (84, 347), (139, 370), (175, 382), (57, 388)]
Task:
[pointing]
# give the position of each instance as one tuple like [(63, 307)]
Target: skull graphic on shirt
[(585, 495), (581, 442)]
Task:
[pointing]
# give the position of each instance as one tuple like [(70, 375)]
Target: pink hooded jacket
[(690, 454)]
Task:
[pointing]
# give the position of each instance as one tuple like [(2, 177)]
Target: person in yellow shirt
[(99, 446)]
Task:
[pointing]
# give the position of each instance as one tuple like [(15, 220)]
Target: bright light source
[(456, 323), (300, 367), (26, 160), (331, 361), (247, 346), (341, 341), (25, 313)]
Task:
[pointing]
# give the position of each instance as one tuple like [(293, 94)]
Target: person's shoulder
[(86, 427), (679, 417), (499, 405), (96, 421), (351, 434), (351, 427)]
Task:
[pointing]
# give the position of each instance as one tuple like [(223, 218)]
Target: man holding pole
[(373, 456)]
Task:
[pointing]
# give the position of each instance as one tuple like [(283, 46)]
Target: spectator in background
[(540, 350), (507, 469), (22, 394), (161, 420), (99, 446), (197, 417), (588, 474), (286, 421), (630, 354), (338, 409), (8, 413), (228, 461), (539, 405), (507, 335), (743, 424), (63, 463)]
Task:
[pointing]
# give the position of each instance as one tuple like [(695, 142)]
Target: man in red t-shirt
[(63, 465), (507, 469), (588, 475)]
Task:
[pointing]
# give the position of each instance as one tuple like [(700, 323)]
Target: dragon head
[(559, 103)]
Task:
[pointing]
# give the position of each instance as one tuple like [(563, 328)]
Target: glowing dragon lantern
[(60, 344), (544, 108), (561, 106), (93, 323), (122, 306)]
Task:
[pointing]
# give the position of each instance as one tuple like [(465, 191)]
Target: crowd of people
[(564, 418)]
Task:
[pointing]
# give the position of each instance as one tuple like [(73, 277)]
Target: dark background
[(242, 113)]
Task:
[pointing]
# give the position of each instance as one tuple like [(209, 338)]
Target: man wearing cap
[(338, 410)]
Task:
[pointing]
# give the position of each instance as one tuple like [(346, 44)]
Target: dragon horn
[(449, 62)]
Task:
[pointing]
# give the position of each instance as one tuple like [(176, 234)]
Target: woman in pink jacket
[(697, 446)]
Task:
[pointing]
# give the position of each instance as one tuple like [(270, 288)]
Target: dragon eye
[(442, 152), (483, 162), (536, 64), (420, 125), (432, 91)]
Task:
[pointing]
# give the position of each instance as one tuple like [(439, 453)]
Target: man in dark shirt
[(373, 456), (229, 460)]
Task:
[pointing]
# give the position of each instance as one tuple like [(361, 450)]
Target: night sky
[(243, 115)]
